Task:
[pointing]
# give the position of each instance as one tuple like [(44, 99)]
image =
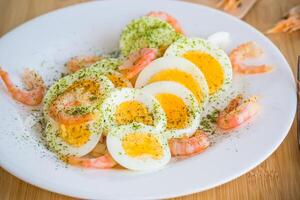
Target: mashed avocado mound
[(147, 32)]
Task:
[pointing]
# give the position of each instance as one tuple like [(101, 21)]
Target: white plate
[(48, 41)]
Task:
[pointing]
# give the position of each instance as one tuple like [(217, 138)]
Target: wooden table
[(276, 178)]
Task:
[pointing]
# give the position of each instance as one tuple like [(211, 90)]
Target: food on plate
[(137, 61), (152, 101), (138, 147), (108, 68), (118, 79), (237, 112), (101, 162), (246, 51), (211, 60), (180, 105), (71, 110), (77, 63), (147, 32), (188, 146), (128, 105), (168, 18), (107, 64), (171, 68), (34, 84), (220, 39)]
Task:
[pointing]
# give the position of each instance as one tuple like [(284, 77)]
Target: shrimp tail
[(168, 18), (145, 56), (77, 63), (32, 81)]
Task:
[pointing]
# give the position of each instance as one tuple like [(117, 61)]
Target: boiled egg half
[(180, 105), (137, 146), (211, 60), (127, 105), (177, 69), (68, 134)]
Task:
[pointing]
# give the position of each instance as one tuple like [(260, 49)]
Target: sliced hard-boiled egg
[(71, 110), (108, 67), (138, 147), (213, 62), (180, 70), (180, 105), (128, 105), (75, 140), (118, 79), (107, 64)]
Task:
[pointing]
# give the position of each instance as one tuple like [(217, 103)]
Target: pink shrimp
[(229, 5), (244, 51), (77, 63), (59, 108), (64, 118), (291, 22), (168, 18), (33, 83), (289, 25), (237, 112), (138, 61), (102, 162), (189, 146)]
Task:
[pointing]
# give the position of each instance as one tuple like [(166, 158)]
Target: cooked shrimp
[(33, 83), (237, 112), (100, 149), (64, 118), (168, 18), (138, 61), (242, 53), (189, 146), (102, 162), (289, 25), (77, 63), (229, 5), (65, 102)]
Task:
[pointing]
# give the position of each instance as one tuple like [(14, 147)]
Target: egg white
[(58, 145), (170, 87), (184, 45), (54, 141), (220, 39), (109, 66), (120, 95), (145, 163), (173, 62)]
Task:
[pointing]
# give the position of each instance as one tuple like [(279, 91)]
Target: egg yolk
[(175, 109), (133, 111), (83, 91), (181, 77), (210, 67), (75, 135), (117, 81), (141, 144), (89, 86)]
